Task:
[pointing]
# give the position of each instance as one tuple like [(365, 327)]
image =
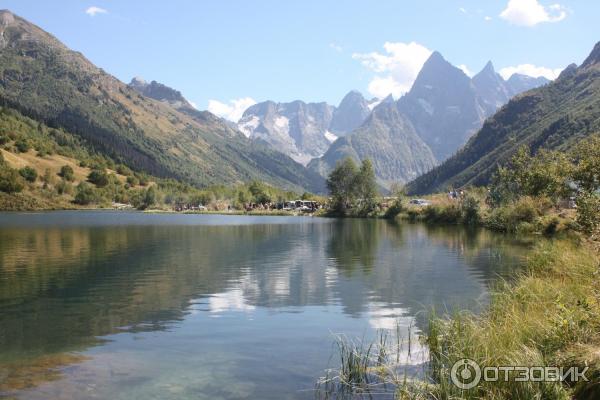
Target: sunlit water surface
[(107, 305)]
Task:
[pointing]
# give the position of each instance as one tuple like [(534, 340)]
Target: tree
[(144, 198), (586, 174), (10, 180), (588, 212), (260, 192), (85, 194), (397, 206), (545, 174), (22, 146), (29, 174), (132, 180), (366, 188), (150, 197), (341, 184), (67, 173), (587, 159), (98, 178)]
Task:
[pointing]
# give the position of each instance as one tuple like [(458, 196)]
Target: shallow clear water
[(106, 305)]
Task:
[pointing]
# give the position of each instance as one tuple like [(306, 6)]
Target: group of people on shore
[(454, 194)]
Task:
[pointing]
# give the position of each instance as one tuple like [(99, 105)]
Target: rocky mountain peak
[(350, 114), (569, 71), (160, 92), (489, 68), (6, 18), (438, 72), (593, 58)]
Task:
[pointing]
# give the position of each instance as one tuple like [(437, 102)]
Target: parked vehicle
[(420, 202)]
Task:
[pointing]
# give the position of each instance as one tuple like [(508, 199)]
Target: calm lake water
[(107, 305)]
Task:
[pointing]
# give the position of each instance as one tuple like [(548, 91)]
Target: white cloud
[(531, 12), (465, 69), (396, 69), (232, 111), (530, 70), (462, 10), (382, 87), (193, 104), (336, 47), (93, 10), (487, 18)]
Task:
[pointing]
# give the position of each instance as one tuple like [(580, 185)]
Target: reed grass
[(549, 316)]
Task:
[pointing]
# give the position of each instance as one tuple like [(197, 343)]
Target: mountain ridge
[(553, 116), (42, 78), (444, 107)]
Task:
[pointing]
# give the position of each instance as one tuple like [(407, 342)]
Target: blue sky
[(231, 53)]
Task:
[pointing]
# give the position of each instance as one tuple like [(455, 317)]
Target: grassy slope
[(46, 81), (551, 316), (50, 149), (554, 116)]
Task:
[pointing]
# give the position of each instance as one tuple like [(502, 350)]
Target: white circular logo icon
[(465, 374)]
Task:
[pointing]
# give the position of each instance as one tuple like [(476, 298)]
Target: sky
[(226, 55)]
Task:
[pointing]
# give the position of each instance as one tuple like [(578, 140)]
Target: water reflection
[(267, 293)]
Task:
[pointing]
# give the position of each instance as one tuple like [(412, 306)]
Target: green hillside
[(46, 81), (554, 116)]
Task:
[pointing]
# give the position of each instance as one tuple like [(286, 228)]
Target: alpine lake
[(128, 305)]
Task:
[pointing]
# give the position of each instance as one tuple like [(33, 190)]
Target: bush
[(10, 180), (64, 187), (67, 173), (395, 209), (510, 217), (86, 194), (470, 210), (449, 214), (143, 199), (132, 181), (551, 227), (4, 139), (413, 214), (143, 179), (588, 212), (123, 170), (22, 146), (29, 174), (98, 178)]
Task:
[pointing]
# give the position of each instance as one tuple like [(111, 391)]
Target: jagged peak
[(488, 72), (353, 94), (593, 58), (489, 68), (138, 81), (388, 99), (569, 71), (436, 56), (6, 17), (437, 61)]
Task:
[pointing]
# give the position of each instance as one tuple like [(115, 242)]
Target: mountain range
[(469, 125), (433, 120), (553, 116), (152, 130), (304, 130)]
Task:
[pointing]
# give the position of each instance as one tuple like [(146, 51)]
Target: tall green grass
[(549, 316)]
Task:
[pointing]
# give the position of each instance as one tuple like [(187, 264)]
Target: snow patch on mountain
[(330, 136), (248, 125)]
